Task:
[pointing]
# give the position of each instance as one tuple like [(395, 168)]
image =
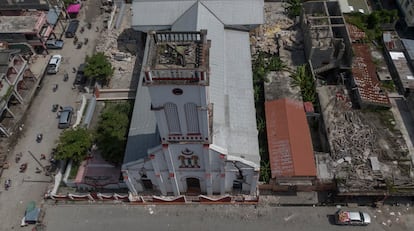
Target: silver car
[(54, 64), (352, 218)]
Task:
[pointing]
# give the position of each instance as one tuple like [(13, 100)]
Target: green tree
[(293, 8), (73, 145), (112, 130), (265, 171), (98, 67), (303, 79), (373, 20)]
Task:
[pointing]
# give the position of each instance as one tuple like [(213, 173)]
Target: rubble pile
[(122, 62), (356, 143), (264, 38)]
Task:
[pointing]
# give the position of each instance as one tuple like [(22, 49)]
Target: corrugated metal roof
[(230, 89), (143, 133), (231, 132), (401, 65), (409, 47), (158, 12), (289, 140), (167, 12)]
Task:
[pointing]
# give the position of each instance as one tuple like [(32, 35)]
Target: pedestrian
[(42, 156), (61, 108)]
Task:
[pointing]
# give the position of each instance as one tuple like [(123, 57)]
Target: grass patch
[(74, 170), (389, 86)]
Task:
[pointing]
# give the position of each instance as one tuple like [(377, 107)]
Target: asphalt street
[(30, 186), (102, 217)]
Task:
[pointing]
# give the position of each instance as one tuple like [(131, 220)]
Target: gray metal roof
[(143, 133), (231, 88), (409, 47), (166, 12)]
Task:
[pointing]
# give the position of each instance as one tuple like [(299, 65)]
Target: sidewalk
[(407, 124)]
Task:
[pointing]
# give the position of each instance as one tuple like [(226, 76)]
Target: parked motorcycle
[(18, 157), (89, 25), (85, 41), (65, 77), (7, 184), (82, 29), (39, 137), (55, 107), (55, 87), (79, 46)]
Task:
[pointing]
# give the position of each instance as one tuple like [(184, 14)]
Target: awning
[(32, 213), (53, 16), (73, 8)]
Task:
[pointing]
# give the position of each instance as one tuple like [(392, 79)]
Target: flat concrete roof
[(18, 24)]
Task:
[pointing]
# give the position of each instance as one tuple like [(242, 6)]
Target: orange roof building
[(289, 140)]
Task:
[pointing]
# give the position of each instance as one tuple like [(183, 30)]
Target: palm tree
[(293, 8)]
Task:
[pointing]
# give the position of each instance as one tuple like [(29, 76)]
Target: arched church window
[(191, 116), (173, 121)]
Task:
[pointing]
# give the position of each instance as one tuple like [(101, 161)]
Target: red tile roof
[(289, 140), (355, 33), (308, 106), (364, 72)]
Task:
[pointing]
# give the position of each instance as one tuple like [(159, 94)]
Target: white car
[(352, 218), (54, 64)]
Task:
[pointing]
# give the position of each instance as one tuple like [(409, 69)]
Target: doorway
[(193, 186), (147, 184)]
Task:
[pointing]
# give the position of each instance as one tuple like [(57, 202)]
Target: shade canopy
[(74, 8)]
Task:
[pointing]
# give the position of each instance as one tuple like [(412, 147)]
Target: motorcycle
[(82, 30), (65, 77), (7, 184), (18, 157), (55, 107), (55, 87), (89, 26), (85, 41), (79, 46), (39, 137)]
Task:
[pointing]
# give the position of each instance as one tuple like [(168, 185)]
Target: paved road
[(30, 186), (199, 217)]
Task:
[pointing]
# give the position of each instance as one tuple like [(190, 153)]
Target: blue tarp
[(32, 213), (53, 16)]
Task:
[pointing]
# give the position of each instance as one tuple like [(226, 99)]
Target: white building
[(407, 8), (193, 129)]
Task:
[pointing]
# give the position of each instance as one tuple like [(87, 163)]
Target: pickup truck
[(352, 218)]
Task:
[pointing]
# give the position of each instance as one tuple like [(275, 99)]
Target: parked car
[(54, 64), (54, 44), (80, 78), (352, 218), (65, 117), (72, 28)]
